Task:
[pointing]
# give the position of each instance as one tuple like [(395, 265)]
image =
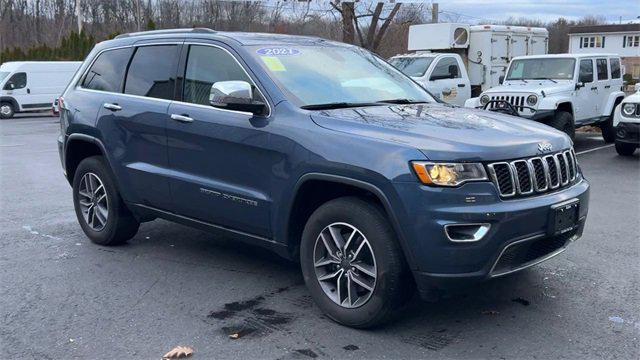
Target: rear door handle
[(112, 107), (462, 85), (181, 118), (607, 86), (594, 88)]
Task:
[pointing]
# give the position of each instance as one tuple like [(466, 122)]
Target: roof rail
[(167, 31)]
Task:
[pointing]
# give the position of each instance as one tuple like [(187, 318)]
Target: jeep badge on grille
[(544, 147)]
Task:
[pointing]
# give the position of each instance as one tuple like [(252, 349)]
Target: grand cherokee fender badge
[(544, 147)]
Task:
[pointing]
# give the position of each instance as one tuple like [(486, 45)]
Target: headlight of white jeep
[(628, 109), (532, 100), (448, 174), (484, 99)]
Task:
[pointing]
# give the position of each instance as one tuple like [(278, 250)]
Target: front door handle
[(112, 107), (462, 85), (181, 118)]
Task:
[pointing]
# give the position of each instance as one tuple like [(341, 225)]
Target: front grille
[(524, 253), (534, 175), (516, 101)]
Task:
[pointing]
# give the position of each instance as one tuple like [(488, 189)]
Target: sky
[(545, 10)]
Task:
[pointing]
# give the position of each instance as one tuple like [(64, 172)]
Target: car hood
[(633, 98), (444, 132), (533, 87)]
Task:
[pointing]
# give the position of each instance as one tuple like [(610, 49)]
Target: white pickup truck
[(565, 91), (444, 75)]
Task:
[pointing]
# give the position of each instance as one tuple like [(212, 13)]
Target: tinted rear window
[(107, 72), (615, 68), (152, 72), (601, 65)]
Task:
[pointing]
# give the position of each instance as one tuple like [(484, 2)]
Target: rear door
[(603, 85), (220, 160), (133, 123)]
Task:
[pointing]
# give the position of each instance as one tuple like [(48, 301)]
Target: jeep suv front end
[(627, 125)]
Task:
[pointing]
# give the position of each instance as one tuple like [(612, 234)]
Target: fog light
[(466, 232), (622, 133)]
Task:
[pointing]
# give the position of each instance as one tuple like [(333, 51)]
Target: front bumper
[(518, 237), (628, 132)]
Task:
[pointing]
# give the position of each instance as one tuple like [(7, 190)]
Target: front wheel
[(352, 263), (625, 149), (563, 121), (6, 110), (100, 210)]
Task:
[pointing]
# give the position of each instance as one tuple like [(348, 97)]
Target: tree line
[(68, 29)]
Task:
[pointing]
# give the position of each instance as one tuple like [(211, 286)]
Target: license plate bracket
[(564, 217)]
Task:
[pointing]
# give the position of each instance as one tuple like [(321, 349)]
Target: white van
[(32, 85)]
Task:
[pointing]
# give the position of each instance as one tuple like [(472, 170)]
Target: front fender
[(552, 102), (611, 102), (472, 102)]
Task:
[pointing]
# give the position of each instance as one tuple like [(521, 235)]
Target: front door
[(219, 159), (447, 82), (585, 92), (16, 87)]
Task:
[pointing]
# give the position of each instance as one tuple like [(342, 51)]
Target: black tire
[(6, 110), (563, 121), (120, 225), (608, 131), (393, 284), (625, 149)]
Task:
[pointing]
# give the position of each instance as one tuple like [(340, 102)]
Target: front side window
[(152, 72), (586, 71), (412, 66), (601, 66), (320, 75), (541, 69), (446, 68), (207, 65), (107, 72), (17, 81), (615, 68)]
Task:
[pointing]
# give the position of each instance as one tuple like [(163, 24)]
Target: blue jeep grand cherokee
[(320, 151)]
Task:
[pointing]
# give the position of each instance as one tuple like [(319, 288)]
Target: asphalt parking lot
[(62, 297)]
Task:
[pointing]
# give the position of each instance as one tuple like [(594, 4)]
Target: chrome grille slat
[(537, 174)]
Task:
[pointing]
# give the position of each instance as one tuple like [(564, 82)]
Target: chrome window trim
[(78, 86)]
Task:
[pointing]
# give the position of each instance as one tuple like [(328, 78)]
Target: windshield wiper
[(544, 78), (336, 105), (401, 101)]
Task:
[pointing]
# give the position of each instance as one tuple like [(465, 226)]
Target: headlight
[(532, 100), (484, 99), (628, 109), (448, 174)]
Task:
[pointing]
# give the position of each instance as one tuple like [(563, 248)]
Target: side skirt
[(148, 212)]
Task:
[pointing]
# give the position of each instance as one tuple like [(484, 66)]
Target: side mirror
[(10, 86), (235, 95), (579, 85), (501, 79)]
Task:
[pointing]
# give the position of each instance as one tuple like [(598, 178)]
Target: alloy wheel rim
[(345, 265), (5, 110), (93, 201)]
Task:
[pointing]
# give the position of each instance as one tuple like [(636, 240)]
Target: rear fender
[(614, 99)]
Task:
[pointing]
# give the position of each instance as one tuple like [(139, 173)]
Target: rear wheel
[(352, 263), (625, 149), (563, 121), (6, 110), (99, 208), (608, 131)]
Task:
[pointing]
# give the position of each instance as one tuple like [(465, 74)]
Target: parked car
[(444, 75), (32, 85), (350, 167), (485, 49), (627, 124), (565, 91)]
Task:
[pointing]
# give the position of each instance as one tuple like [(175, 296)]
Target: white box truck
[(33, 85), (486, 50)]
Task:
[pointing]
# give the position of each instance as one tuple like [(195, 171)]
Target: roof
[(588, 29), (566, 56), (244, 38)]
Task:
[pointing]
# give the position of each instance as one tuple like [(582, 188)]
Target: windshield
[(543, 68), (412, 66), (3, 75), (325, 75)]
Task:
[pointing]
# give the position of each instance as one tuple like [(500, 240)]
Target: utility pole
[(79, 16), (434, 12), (138, 14)]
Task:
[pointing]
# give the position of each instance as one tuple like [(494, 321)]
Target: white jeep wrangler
[(565, 91)]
